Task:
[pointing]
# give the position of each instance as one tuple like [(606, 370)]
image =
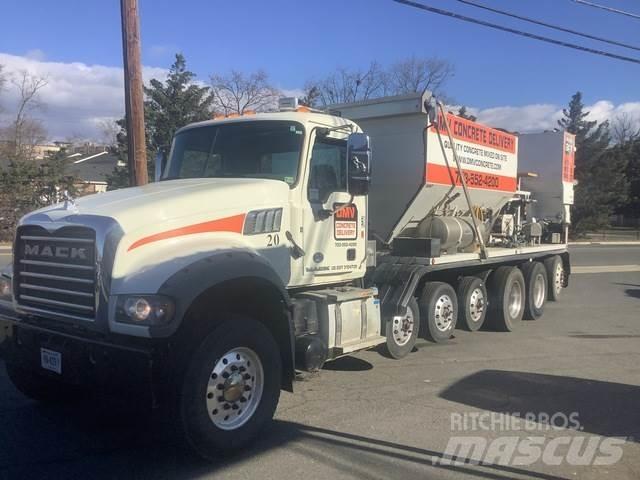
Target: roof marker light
[(288, 104)]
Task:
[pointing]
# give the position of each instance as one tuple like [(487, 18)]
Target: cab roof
[(304, 117)]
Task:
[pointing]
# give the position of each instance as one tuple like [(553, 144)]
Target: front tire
[(439, 308), (231, 387), (402, 332)]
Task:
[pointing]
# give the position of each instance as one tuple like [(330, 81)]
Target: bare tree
[(410, 75), (464, 113), (624, 129), (109, 130), (416, 74), (311, 95), (238, 92), (350, 85), (26, 132)]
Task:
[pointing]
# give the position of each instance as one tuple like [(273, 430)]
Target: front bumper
[(99, 364)]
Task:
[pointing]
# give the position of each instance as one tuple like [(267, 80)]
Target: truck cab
[(288, 176)]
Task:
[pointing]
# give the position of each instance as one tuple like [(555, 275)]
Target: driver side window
[(328, 171)]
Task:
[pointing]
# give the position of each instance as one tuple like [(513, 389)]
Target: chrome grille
[(56, 272)]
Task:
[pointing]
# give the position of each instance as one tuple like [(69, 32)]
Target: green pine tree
[(169, 105), (599, 169), (174, 103), (119, 177), (26, 185), (631, 209)]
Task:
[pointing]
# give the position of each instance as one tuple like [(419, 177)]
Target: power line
[(516, 32), (548, 25), (608, 9)]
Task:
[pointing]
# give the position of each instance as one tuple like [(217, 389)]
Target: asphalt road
[(367, 416)]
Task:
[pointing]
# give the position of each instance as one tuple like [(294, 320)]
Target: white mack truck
[(273, 243)]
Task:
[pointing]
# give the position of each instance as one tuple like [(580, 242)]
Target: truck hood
[(168, 200)]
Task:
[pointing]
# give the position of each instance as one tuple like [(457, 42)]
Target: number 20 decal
[(273, 240)]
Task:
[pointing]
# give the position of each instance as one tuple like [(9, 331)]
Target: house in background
[(91, 171), (42, 151)]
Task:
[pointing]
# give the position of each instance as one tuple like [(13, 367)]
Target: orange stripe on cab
[(229, 224)]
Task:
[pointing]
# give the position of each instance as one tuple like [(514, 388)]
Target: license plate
[(50, 360)]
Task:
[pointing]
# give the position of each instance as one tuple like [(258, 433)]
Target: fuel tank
[(454, 233)]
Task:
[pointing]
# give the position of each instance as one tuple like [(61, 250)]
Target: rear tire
[(555, 277), (402, 333), (439, 309), (535, 281), (231, 387), (472, 303), (507, 294)]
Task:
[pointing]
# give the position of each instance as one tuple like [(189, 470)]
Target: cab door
[(335, 223)]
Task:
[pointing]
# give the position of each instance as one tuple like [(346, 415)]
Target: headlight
[(5, 289), (145, 309), (137, 309)]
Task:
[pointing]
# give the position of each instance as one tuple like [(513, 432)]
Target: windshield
[(256, 149)]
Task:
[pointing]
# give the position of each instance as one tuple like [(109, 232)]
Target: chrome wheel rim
[(477, 304), (444, 313), (539, 291), (557, 278), (515, 299), (403, 328), (235, 388)]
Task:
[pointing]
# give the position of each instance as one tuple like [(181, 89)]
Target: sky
[(510, 82)]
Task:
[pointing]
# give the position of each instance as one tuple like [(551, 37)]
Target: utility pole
[(133, 93)]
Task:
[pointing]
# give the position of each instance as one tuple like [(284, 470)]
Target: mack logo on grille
[(55, 251)]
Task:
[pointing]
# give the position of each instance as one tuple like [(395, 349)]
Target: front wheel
[(402, 332), (231, 387)]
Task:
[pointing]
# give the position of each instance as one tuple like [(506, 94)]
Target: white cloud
[(77, 96), (539, 117), (526, 118)]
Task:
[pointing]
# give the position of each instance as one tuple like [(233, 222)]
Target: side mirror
[(160, 162), (358, 164)]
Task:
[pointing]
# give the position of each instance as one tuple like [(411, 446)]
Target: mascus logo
[(55, 252)]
